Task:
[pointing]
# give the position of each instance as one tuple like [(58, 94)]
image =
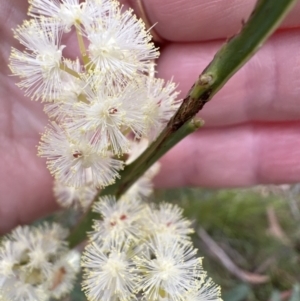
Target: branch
[(228, 263), (265, 18), (274, 227)]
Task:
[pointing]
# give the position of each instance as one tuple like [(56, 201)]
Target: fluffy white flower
[(39, 65), (53, 232), (205, 290), (121, 220), (105, 119), (45, 244), (160, 106), (168, 220), (71, 92), (70, 12), (169, 270), (29, 258), (9, 256), (109, 275), (120, 47), (77, 198), (18, 290), (67, 12), (75, 163)]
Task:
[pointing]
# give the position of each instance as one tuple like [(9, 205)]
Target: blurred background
[(249, 239)]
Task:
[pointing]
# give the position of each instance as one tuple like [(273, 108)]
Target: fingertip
[(199, 20)]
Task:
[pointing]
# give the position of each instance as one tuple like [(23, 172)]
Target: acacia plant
[(110, 120)]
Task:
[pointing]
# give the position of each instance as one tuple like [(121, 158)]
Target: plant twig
[(274, 227), (228, 263), (265, 18)]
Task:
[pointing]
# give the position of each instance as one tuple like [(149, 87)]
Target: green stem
[(265, 18), (72, 72), (85, 57), (155, 151), (65, 68)]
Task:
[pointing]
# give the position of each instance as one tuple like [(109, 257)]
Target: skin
[(252, 126)]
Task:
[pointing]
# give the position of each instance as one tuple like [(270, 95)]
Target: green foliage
[(237, 220), (238, 293)]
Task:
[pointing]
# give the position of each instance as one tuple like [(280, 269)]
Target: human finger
[(25, 186), (200, 20), (244, 155), (12, 12)]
